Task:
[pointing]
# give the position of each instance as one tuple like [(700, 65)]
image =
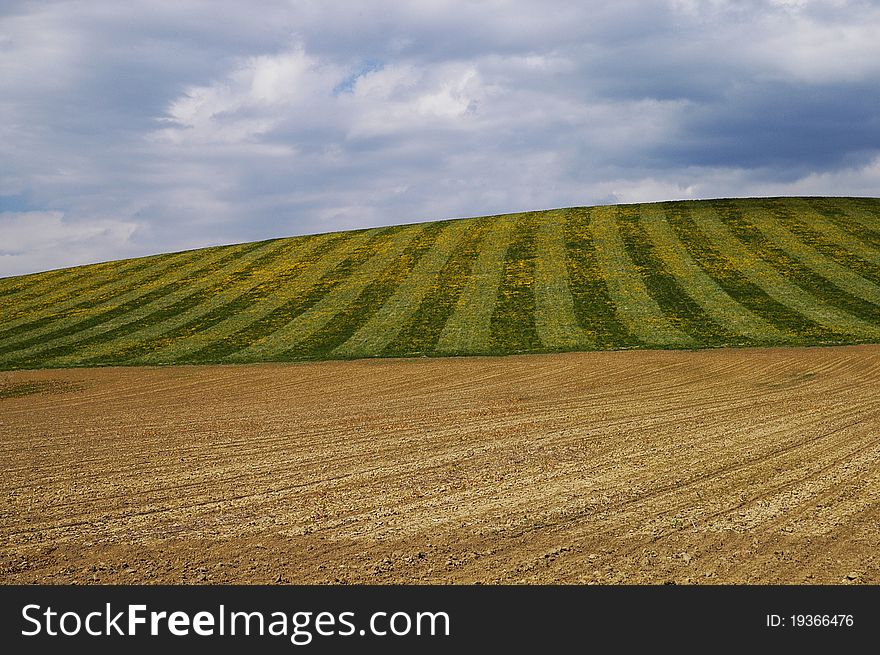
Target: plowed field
[(733, 465)]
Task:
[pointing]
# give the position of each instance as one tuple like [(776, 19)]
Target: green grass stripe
[(92, 281), (89, 308), (384, 326), (700, 287), (802, 219), (682, 311), (469, 327), (555, 320), (513, 321), (773, 282), (635, 307), (422, 331), (50, 300), (205, 294), (108, 344), (793, 270), (249, 285), (323, 343), (866, 212), (593, 307), (818, 218), (321, 313), (834, 210), (70, 344), (796, 328), (20, 284), (51, 288), (841, 277), (270, 307)]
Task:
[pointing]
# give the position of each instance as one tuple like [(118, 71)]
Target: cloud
[(253, 98), (154, 126), (44, 240)]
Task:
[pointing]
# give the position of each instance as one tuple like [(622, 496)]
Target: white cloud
[(44, 240), (815, 49), (857, 181), (806, 40), (648, 189), (250, 101), (38, 51), (299, 91), (738, 182), (406, 98)]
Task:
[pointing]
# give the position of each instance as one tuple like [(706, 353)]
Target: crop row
[(666, 275)]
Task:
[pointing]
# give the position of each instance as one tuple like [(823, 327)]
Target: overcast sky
[(130, 128)]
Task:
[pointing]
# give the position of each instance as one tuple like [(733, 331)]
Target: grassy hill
[(695, 274)]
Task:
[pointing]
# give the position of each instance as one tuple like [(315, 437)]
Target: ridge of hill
[(683, 274)]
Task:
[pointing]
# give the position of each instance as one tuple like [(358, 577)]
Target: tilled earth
[(724, 466)]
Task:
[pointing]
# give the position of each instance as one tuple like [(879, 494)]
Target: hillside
[(695, 274)]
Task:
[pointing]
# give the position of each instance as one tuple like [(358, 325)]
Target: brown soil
[(758, 466)]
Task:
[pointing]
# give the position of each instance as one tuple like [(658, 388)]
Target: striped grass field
[(689, 274)]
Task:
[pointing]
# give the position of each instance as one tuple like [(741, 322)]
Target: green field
[(691, 274)]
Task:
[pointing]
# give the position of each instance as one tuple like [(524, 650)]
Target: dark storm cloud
[(138, 127), (788, 130)]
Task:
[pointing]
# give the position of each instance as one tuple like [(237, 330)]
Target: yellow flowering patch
[(469, 327)]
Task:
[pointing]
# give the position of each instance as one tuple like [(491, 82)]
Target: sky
[(137, 127)]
